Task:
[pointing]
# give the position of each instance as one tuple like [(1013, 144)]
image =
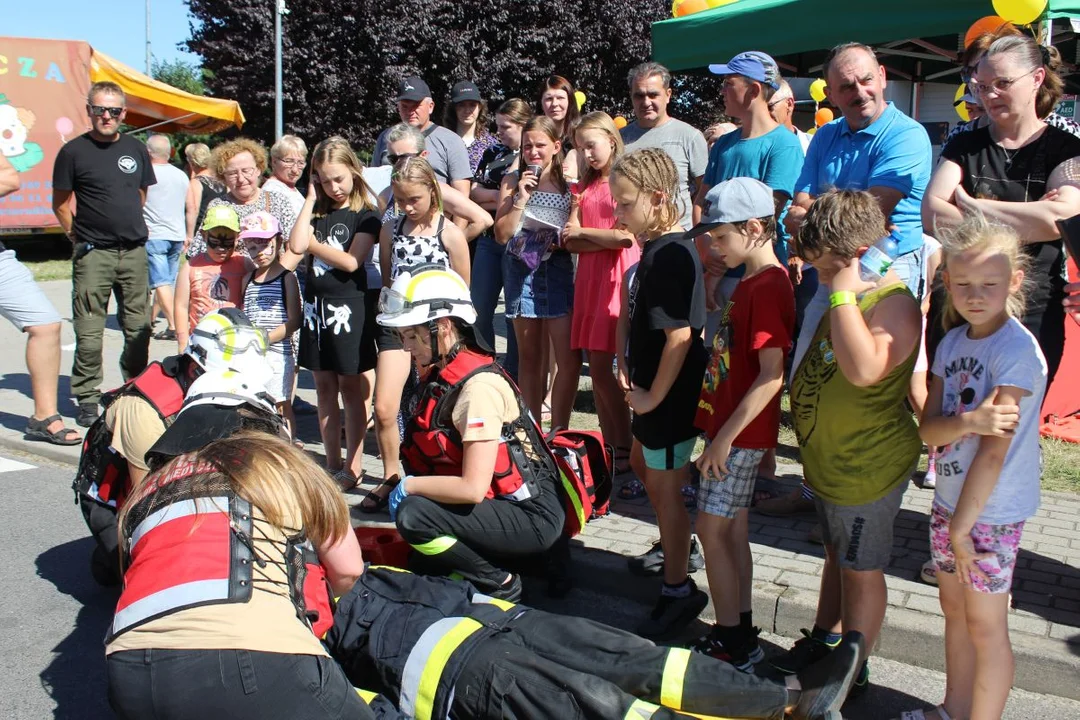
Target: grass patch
[(47, 257)]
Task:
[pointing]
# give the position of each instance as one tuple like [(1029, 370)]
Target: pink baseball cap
[(260, 225)]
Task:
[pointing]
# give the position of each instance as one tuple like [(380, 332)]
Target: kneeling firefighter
[(137, 413), (481, 481), (441, 650), (231, 554)]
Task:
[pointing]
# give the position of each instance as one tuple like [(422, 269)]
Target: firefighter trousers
[(554, 666), (462, 539)]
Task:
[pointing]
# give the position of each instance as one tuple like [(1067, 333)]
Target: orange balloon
[(988, 24), (823, 116), (620, 122), (682, 8)]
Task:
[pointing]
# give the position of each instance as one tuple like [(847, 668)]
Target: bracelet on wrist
[(842, 297)]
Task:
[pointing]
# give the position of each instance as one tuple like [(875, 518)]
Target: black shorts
[(376, 337)]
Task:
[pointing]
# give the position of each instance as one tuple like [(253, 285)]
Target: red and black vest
[(103, 473), (188, 540), (433, 446)]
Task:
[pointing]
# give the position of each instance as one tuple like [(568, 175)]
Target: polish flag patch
[(474, 423)]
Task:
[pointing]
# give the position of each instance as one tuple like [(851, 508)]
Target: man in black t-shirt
[(108, 174)]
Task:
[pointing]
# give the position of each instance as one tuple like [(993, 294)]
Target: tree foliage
[(342, 59)]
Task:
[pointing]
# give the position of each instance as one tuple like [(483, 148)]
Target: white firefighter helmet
[(229, 388), (423, 294), (225, 339)]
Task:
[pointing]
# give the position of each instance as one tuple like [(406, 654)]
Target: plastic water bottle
[(877, 259)]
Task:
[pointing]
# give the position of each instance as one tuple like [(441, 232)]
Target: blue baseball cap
[(752, 64)]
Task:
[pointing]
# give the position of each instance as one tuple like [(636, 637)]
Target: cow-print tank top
[(408, 251)]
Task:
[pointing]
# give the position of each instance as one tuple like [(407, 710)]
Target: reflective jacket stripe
[(430, 655), (426, 662), (671, 684), (366, 695), (640, 710), (176, 510), (439, 545), (168, 599)]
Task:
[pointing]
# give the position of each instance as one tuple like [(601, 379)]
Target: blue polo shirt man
[(874, 147)]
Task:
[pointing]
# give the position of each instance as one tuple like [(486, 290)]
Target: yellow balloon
[(682, 8), (718, 3), (580, 98), (811, 131), (961, 109), (1020, 12), (817, 90)]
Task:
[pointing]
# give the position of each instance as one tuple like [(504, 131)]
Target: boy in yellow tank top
[(858, 441)]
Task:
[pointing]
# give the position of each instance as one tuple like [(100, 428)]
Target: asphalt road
[(53, 617)]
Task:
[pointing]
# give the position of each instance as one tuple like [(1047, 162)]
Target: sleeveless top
[(857, 443), (214, 285), (546, 210), (212, 188), (407, 251), (264, 304)]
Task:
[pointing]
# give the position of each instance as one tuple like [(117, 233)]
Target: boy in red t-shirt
[(739, 408)]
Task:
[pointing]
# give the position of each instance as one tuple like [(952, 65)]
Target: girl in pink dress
[(605, 252)]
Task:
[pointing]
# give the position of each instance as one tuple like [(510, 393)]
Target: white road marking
[(8, 465)]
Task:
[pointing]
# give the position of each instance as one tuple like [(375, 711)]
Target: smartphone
[(1070, 233)]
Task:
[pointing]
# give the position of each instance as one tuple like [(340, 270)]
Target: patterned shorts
[(1002, 540), (726, 496)]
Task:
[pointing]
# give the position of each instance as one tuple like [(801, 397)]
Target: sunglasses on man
[(102, 110), (394, 158)]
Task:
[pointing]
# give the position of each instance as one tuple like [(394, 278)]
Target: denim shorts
[(163, 257), (547, 292)]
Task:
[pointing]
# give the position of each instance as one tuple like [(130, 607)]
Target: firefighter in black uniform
[(441, 650), (481, 482)]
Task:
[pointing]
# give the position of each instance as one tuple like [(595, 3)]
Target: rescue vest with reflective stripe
[(103, 472), (433, 446), (435, 661), (196, 548)]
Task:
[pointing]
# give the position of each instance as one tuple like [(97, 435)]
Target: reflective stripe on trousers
[(429, 657)]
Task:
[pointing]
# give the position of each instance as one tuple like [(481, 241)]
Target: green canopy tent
[(796, 32)]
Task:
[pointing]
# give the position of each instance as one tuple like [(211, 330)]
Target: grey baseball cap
[(732, 201)]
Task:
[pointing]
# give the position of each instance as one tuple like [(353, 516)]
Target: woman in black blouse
[(1019, 171)]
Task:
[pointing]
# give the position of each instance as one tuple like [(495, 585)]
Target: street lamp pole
[(279, 10)]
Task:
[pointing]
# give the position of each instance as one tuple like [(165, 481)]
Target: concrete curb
[(65, 455), (907, 636)]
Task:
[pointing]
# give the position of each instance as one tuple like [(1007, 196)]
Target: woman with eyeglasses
[(240, 164), (1019, 171), (969, 62), (288, 156)]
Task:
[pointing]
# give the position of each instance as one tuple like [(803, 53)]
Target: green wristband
[(842, 297)]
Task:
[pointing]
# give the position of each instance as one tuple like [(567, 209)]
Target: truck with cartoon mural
[(43, 87)]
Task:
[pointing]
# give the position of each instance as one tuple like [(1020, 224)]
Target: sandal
[(373, 502), (165, 334), (39, 430), (632, 490), (921, 714), (620, 464), (345, 480)]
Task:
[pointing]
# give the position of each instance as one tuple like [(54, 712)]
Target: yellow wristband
[(842, 297)]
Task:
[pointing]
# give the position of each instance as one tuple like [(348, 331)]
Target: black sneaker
[(738, 654), (806, 651), (508, 591), (88, 414), (652, 562), (672, 613), (862, 681), (825, 684)]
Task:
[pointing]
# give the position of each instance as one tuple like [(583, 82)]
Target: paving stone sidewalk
[(1044, 622)]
